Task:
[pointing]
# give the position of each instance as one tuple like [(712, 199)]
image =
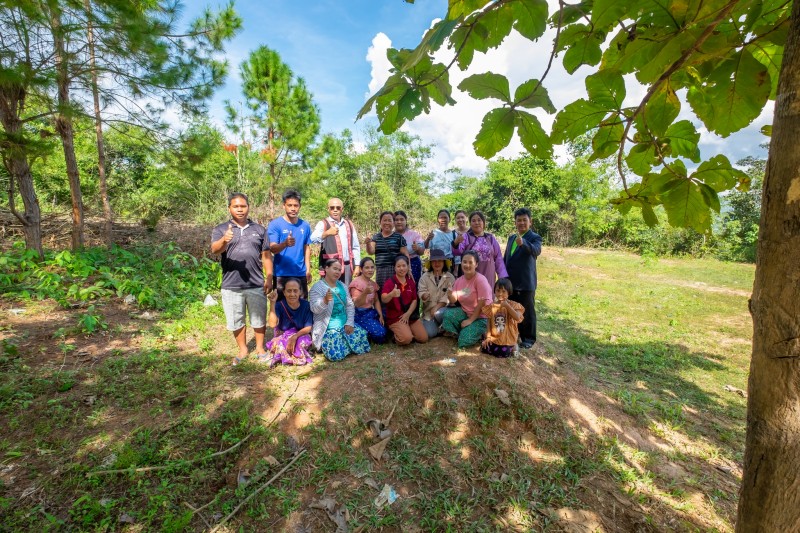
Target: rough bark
[(15, 160), (770, 494), (67, 133), (108, 216)]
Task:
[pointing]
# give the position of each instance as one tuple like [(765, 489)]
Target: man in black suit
[(520, 258)]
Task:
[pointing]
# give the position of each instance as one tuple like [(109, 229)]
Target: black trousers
[(527, 330)]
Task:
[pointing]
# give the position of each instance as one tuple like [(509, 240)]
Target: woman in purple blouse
[(491, 264)]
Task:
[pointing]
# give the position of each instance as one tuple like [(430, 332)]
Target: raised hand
[(519, 239), (395, 293), (290, 240), (328, 296), (228, 235), (458, 240), (331, 232)]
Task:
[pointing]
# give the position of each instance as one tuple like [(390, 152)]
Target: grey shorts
[(235, 301)]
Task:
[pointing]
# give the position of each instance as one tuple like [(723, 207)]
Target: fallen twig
[(259, 489), (164, 467), (197, 512)]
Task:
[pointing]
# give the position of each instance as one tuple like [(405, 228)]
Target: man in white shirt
[(339, 240)]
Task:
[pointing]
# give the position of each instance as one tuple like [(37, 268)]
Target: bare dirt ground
[(629, 477)]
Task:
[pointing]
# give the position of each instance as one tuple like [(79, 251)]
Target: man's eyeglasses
[(335, 207)]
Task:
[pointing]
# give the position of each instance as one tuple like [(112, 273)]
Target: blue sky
[(326, 43), (339, 47)]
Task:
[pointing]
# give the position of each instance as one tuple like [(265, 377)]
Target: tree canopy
[(721, 58)]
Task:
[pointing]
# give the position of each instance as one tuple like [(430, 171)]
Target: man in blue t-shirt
[(289, 239), (246, 272)]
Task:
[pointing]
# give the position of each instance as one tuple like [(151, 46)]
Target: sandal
[(236, 361), (263, 358)]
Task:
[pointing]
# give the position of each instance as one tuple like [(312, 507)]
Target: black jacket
[(521, 265)]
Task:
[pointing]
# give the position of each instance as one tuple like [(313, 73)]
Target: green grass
[(659, 338)]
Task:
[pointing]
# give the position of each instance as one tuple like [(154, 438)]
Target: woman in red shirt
[(399, 297)]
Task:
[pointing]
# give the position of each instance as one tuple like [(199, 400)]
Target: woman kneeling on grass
[(291, 320), (473, 292), (504, 317), (433, 291), (399, 295), (364, 292), (334, 331)]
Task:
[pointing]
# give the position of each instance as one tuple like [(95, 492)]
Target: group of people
[(469, 289)]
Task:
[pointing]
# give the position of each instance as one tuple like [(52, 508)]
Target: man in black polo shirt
[(246, 273)]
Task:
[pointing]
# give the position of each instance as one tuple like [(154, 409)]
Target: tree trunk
[(66, 132), (272, 184), (20, 171), (108, 216), (15, 160), (770, 495)]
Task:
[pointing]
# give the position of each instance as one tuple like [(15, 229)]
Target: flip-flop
[(236, 361), (263, 358)]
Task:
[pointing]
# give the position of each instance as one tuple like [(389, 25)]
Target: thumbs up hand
[(328, 296), (228, 235), (395, 293), (290, 239)]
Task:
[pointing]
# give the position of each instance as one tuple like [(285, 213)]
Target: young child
[(503, 316), (291, 320), (364, 292)]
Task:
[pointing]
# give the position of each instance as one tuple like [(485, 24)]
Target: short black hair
[(445, 211), (384, 213), (235, 195), (505, 283), (291, 194), (401, 213), (522, 212), (365, 260)]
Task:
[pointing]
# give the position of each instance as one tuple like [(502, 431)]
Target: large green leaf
[(734, 94), (770, 55), (465, 40), (670, 49), (487, 85), (607, 139), (532, 94), (606, 88), (718, 173), (683, 139), (462, 8), (531, 18), (391, 84), (576, 119), (606, 13), (498, 23), (662, 109), (583, 46), (533, 137), (686, 207), (495, 133), (432, 41), (641, 158)]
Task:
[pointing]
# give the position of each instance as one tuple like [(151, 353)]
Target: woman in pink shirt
[(472, 291), (365, 292)]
